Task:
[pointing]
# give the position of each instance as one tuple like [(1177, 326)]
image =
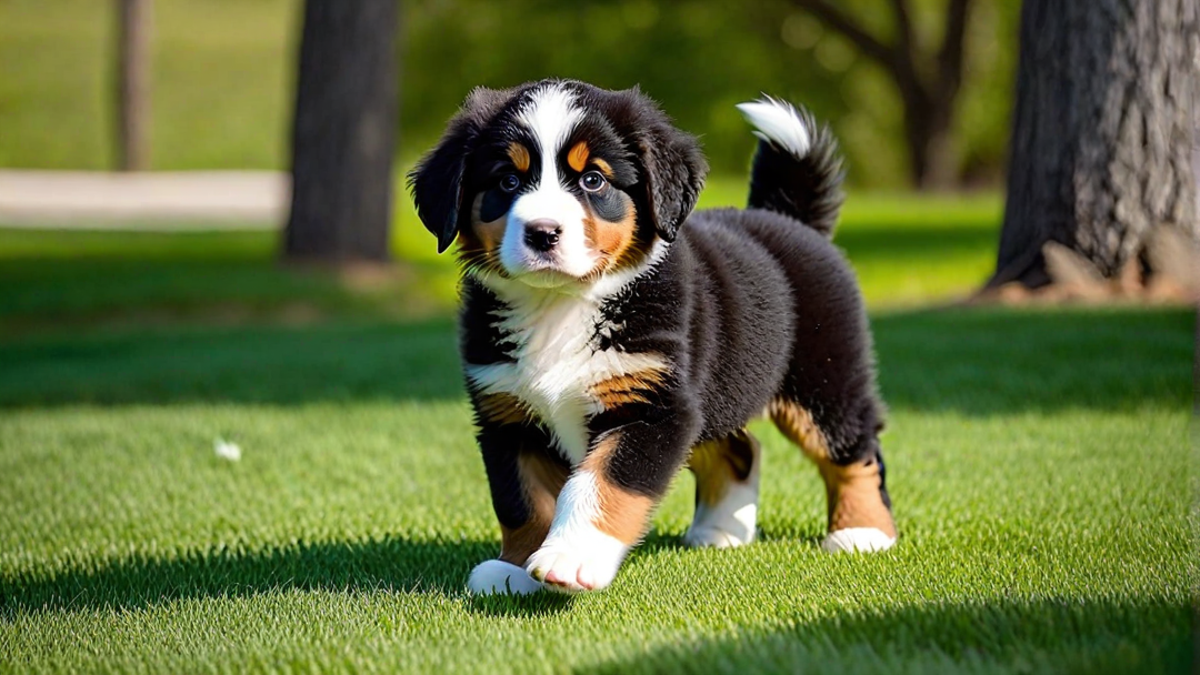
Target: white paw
[(857, 539), (496, 577), (731, 522), (564, 568), (698, 537)]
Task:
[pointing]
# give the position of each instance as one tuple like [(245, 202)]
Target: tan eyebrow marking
[(519, 156), (578, 157), (605, 167)]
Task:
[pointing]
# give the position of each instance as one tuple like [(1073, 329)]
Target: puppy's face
[(549, 195), (557, 183)]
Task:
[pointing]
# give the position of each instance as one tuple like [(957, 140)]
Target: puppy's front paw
[(496, 577), (562, 569)]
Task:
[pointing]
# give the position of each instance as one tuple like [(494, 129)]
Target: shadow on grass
[(1044, 634), (275, 365), (1051, 635), (975, 361), (908, 244), (984, 361), (394, 564)]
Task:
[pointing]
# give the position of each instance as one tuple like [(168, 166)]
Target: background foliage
[(223, 75)]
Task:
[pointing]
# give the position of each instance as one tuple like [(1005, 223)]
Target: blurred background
[(221, 76), (197, 98), (233, 434), (159, 158)]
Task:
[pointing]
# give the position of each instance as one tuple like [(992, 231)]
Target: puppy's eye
[(510, 182), (592, 181)]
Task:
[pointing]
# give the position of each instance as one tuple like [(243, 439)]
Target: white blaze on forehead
[(550, 115)]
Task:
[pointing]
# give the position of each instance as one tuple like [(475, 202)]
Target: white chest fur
[(557, 362)]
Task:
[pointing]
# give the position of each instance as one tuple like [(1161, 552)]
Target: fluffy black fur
[(750, 306), (806, 188)]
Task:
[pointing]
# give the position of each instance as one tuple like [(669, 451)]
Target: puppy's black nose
[(542, 235)]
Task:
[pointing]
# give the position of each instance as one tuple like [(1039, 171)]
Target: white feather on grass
[(778, 123), (227, 450)]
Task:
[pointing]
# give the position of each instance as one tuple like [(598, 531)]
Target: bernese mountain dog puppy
[(610, 337)]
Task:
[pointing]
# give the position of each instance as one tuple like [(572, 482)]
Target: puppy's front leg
[(525, 476), (604, 509)]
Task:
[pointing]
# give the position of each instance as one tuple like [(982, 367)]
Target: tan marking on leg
[(501, 409), (624, 515), (519, 156), (578, 156), (854, 498), (796, 423), (852, 491), (541, 480), (718, 463)]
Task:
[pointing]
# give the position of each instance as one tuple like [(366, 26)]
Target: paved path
[(157, 200)]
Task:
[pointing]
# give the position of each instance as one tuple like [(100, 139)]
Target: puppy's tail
[(797, 170)]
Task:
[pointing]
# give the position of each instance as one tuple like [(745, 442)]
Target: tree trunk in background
[(928, 87), (133, 84), (1102, 134), (932, 161), (343, 136)]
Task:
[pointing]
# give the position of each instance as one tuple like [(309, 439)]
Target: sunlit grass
[(220, 82), (1036, 461), (1036, 458)]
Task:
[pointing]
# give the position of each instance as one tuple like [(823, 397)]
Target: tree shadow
[(986, 361), (1049, 634), (970, 360), (910, 245), (262, 364), (394, 564)]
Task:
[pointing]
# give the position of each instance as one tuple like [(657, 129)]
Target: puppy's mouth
[(541, 270), (549, 266)]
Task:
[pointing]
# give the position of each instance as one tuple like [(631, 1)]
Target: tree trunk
[(931, 157), (1102, 133), (343, 136), (133, 84)]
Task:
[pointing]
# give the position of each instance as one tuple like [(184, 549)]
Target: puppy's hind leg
[(851, 464), (727, 472)]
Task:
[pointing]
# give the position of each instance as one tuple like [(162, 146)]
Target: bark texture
[(1103, 133), (343, 136), (133, 85)]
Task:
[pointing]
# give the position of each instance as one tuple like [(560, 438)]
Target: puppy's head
[(557, 183)]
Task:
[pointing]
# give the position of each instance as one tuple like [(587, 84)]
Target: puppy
[(610, 338)]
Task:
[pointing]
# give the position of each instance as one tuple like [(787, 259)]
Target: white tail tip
[(777, 123)]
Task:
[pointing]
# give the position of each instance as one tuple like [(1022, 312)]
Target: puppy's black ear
[(437, 181), (673, 164)]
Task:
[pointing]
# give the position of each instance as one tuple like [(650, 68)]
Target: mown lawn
[(908, 251), (1039, 461), (220, 83)]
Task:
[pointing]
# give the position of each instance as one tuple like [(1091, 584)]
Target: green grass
[(907, 251), (1039, 462), (220, 82)]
